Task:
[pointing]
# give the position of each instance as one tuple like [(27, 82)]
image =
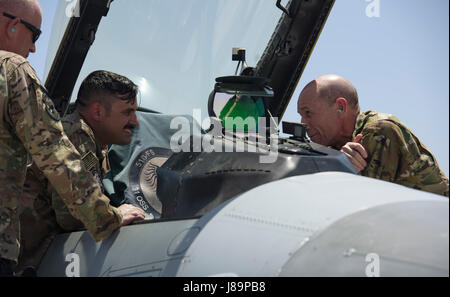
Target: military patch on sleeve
[(48, 103), (51, 110), (90, 160)]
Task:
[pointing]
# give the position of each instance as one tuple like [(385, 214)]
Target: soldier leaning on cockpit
[(30, 129), (105, 113), (377, 144)]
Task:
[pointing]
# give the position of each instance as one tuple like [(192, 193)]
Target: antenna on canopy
[(239, 55)]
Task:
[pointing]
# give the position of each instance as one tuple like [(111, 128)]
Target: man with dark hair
[(107, 101), (377, 144), (105, 114), (30, 129)]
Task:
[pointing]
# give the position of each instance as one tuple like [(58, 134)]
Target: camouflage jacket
[(395, 154), (94, 158), (44, 213), (30, 130)]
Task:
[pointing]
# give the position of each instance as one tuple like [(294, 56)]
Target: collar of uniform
[(361, 121), (75, 117)]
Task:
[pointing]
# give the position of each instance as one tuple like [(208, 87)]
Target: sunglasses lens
[(35, 36), (36, 32)]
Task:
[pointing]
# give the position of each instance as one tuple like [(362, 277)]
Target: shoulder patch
[(90, 160), (48, 103), (51, 110)]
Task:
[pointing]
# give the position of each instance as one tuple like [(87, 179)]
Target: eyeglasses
[(36, 32)]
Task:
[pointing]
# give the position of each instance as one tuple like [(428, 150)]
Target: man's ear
[(11, 28), (342, 105), (97, 111)]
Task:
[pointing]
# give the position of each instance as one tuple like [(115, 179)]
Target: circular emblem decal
[(48, 104), (144, 180)]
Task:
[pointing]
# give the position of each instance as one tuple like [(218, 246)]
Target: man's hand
[(356, 153), (131, 213)]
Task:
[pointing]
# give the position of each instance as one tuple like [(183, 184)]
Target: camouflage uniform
[(94, 159), (38, 226), (30, 127), (396, 155), (44, 205)]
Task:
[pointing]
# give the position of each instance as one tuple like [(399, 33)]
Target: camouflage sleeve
[(36, 123), (395, 155), (65, 219), (382, 143)]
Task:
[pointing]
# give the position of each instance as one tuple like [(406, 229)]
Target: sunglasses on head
[(36, 32)]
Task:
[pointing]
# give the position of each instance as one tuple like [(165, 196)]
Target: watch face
[(144, 180)]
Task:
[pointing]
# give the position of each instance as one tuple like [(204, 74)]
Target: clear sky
[(38, 59), (398, 60)]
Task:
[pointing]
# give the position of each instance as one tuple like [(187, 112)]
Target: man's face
[(22, 41), (320, 117), (119, 124)]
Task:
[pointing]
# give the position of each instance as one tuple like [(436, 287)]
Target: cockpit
[(215, 78)]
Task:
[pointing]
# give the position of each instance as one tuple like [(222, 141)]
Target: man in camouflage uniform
[(377, 144), (105, 114), (105, 99), (30, 130)]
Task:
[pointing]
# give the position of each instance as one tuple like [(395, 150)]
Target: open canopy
[(175, 49)]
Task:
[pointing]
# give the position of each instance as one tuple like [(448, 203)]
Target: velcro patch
[(90, 160), (48, 103), (51, 110)]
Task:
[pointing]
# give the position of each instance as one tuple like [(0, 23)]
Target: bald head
[(330, 87), (20, 29), (19, 7), (329, 106)]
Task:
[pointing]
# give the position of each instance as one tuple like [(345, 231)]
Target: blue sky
[(399, 62)]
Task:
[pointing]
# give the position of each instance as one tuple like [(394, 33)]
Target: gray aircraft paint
[(264, 232)]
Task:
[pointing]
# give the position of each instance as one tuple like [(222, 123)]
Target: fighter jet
[(228, 197)]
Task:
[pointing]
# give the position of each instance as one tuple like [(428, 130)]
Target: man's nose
[(33, 48), (303, 121), (134, 120)]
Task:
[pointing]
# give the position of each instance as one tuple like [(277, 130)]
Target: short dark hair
[(100, 83)]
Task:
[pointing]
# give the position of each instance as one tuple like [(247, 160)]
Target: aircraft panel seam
[(269, 222)]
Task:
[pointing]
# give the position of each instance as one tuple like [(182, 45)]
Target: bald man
[(30, 129), (377, 144), (20, 22)]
